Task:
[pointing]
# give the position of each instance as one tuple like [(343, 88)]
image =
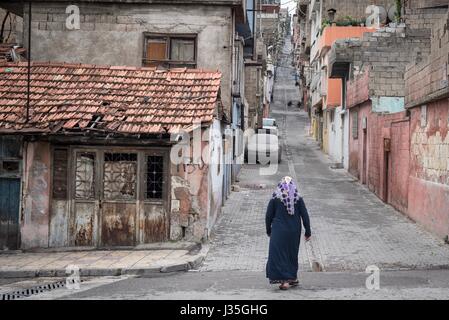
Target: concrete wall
[(113, 34), (253, 92), (12, 30), (36, 196), (429, 167), (427, 77)]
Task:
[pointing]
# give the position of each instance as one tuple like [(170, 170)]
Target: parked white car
[(270, 125)]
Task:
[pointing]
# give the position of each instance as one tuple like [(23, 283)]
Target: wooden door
[(119, 198), (85, 205), (9, 213)]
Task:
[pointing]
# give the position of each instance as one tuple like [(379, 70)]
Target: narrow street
[(351, 229)]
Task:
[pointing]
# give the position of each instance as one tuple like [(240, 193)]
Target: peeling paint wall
[(217, 153), (196, 190), (36, 197), (429, 174), (385, 173)]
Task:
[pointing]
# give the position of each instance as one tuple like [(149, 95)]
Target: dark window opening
[(60, 165), (170, 51), (10, 166), (154, 177)]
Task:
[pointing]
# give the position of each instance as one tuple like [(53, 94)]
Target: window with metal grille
[(60, 165), (85, 175), (154, 179), (120, 176)]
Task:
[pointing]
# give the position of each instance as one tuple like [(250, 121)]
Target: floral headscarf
[(287, 192)]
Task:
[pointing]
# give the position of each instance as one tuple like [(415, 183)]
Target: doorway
[(9, 213), (115, 191)]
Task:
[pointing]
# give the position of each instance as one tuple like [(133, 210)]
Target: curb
[(193, 262)]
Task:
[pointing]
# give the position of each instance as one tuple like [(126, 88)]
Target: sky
[(290, 4)]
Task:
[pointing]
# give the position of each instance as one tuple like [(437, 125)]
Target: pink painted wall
[(428, 195), (374, 174), (36, 198)]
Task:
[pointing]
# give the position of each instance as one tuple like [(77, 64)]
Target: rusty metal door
[(155, 197), (119, 198), (83, 223)]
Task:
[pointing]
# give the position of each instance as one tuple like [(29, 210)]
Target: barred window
[(120, 176), (154, 179), (85, 175)]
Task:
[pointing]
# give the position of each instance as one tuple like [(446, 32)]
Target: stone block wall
[(12, 32), (253, 92), (427, 78), (353, 8)]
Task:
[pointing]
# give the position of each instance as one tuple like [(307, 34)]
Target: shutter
[(156, 51)]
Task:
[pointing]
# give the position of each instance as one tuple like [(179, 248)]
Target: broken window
[(120, 176), (60, 159), (85, 175), (154, 177), (170, 51)]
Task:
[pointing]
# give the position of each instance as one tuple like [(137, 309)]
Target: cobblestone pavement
[(351, 227)]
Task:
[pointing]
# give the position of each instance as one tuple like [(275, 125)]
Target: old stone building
[(387, 144), (95, 160), (322, 15), (427, 101), (393, 105)]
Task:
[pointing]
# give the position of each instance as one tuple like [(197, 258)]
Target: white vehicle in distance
[(263, 148), (270, 125)]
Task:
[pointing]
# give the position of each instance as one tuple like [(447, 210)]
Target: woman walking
[(283, 219)]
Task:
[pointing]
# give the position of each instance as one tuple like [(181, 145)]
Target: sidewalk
[(101, 262)]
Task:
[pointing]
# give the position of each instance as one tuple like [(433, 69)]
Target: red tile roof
[(129, 100)]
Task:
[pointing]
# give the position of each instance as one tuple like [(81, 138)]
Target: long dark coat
[(284, 231)]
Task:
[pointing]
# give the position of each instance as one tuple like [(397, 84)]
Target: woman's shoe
[(284, 286), (293, 283)]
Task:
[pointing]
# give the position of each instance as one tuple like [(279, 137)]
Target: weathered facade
[(96, 163), (185, 33), (427, 100), (320, 16), (393, 149)]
